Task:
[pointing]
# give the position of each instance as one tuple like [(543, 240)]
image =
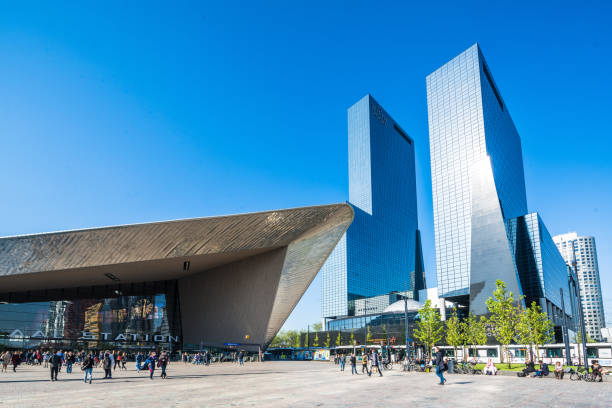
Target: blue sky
[(144, 111)]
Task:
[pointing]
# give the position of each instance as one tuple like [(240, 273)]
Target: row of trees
[(317, 338), (508, 322)]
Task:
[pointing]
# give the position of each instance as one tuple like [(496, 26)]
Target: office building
[(183, 284), (379, 258), (483, 231), (581, 251)]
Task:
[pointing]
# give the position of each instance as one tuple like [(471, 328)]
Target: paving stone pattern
[(291, 384)]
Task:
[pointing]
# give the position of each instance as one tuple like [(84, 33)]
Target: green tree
[(317, 327), (338, 340), (352, 338), (429, 327), (316, 340), (454, 331), (504, 318), (475, 332), (578, 338), (368, 335), (327, 341), (534, 327)]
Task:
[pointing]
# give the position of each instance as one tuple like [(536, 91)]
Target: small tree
[(539, 329), (429, 327), (368, 335), (339, 340), (475, 331), (454, 332), (327, 341), (352, 338), (317, 327), (316, 340), (504, 316)]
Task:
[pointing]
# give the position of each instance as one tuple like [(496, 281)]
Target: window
[(491, 352)]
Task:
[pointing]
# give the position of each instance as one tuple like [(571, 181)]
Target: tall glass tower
[(477, 176), (581, 250), (381, 251)]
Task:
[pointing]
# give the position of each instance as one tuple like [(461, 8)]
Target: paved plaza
[(290, 384)]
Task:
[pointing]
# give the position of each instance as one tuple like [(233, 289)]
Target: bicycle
[(581, 375)]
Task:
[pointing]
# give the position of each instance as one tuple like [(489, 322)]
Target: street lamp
[(581, 315), (405, 322)]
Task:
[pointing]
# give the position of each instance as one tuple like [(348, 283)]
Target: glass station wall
[(143, 320)]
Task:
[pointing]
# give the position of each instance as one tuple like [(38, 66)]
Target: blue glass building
[(482, 229), (380, 253)]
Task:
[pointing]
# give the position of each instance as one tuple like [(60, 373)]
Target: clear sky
[(146, 111)]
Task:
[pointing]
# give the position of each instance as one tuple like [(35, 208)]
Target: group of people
[(109, 360), (371, 361)]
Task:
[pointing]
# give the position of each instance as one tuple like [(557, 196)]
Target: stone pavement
[(291, 384)]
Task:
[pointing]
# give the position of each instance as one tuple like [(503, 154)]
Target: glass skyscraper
[(381, 251), (468, 123), (483, 232), (582, 251)]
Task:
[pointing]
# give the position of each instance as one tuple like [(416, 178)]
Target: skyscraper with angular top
[(483, 231), (381, 251)]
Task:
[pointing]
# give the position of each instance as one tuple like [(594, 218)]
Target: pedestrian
[(107, 365), (378, 362), (440, 366), (151, 360), (139, 358), (70, 359), (364, 362), (241, 358), (342, 362), (87, 367), (163, 363), (15, 360), (5, 359), (55, 362), (353, 364)]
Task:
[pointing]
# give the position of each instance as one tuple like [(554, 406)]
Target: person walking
[(241, 358), (107, 365), (70, 359), (5, 359), (342, 362), (378, 362), (55, 362), (152, 360), (15, 359), (163, 363), (139, 358), (87, 367), (364, 362), (440, 367), (354, 364)]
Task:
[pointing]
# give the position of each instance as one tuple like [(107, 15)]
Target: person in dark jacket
[(353, 364), (163, 363), (55, 361), (15, 360), (529, 368), (440, 366), (151, 363), (107, 365), (88, 363)]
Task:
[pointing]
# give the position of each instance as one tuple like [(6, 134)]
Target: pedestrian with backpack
[(87, 367), (107, 365), (55, 361), (151, 363)]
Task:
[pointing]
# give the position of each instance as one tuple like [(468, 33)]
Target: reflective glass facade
[(582, 250), (138, 320), (468, 121), (542, 270), (377, 255)]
